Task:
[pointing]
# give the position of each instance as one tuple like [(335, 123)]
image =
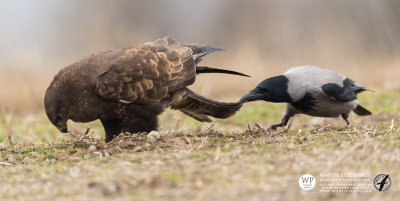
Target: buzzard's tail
[(206, 69), (201, 50), (199, 107)]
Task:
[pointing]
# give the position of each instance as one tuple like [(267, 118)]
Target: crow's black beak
[(252, 96)]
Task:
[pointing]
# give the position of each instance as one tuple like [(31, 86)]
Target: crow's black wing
[(343, 93)]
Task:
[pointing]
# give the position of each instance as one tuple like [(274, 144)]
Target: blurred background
[(358, 38)]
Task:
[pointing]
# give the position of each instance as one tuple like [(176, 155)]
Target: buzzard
[(128, 88)]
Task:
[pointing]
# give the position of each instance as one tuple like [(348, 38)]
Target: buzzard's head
[(56, 106)]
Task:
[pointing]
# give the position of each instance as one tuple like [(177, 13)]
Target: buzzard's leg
[(112, 128), (140, 124)]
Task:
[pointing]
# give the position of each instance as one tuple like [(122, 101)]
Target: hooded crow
[(310, 90)]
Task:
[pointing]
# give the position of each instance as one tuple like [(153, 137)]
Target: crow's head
[(273, 89)]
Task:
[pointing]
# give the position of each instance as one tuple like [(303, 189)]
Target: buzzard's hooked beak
[(62, 129), (252, 96)]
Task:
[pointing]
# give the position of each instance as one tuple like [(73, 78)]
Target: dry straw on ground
[(221, 161)]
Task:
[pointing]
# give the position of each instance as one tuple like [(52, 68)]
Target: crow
[(128, 88), (310, 90)]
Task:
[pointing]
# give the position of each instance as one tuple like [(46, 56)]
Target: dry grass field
[(234, 159), (231, 159)]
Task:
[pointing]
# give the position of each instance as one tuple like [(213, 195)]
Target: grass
[(233, 159)]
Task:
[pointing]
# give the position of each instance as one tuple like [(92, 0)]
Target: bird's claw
[(115, 137), (272, 128)]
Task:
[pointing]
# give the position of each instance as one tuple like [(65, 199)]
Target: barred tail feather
[(200, 107)]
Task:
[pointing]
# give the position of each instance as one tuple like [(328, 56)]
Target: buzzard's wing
[(145, 73)]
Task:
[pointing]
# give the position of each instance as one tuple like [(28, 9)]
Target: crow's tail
[(358, 89), (359, 110)]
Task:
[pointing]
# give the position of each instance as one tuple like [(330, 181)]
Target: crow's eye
[(265, 91)]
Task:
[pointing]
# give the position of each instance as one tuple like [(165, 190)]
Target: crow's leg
[(345, 116), (284, 122), (112, 128)]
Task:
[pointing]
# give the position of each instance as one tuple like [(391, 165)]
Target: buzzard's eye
[(58, 118)]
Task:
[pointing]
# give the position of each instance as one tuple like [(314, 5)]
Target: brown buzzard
[(128, 88)]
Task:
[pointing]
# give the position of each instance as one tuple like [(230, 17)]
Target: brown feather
[(200, 107), (128, 88), (150, 70)]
